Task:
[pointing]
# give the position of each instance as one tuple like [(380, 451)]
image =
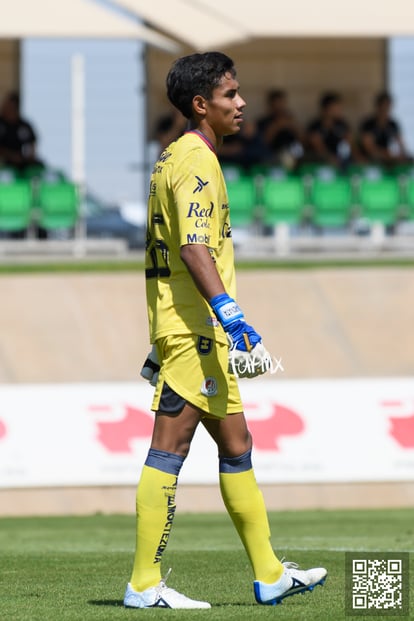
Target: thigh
[(173, 432), (231, 434)]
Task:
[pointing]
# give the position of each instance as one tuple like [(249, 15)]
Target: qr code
[(377, 584)]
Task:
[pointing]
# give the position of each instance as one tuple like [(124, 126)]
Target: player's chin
[(234, 129)]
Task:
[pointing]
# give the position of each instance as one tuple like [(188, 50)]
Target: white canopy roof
[(72, 18), (207, 24)]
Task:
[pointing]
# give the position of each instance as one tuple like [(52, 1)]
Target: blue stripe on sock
[(164, 461), (231, 465)]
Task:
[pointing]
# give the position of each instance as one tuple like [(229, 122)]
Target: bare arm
[(199, 263), (402, 147), (371, 149), (318, 147)]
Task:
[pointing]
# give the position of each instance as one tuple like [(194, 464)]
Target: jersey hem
[(201, 331)]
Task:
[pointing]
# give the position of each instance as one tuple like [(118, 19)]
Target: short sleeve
[(195, 188)]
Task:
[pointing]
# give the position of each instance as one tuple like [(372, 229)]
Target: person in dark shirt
[(380, 135), (169, 128), (279, 130), (329, 136), (243, 149), (17, 136)]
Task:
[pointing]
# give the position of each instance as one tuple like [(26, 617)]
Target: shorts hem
[(196, 402)]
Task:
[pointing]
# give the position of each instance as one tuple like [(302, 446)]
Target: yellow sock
[(245, 504), (155, 514)]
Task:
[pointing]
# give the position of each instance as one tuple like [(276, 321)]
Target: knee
[(172, 445)]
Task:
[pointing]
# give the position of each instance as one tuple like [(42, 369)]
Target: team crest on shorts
[(209, 387), (204, 345)]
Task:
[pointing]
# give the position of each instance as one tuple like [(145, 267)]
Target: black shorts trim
[(170, 401)]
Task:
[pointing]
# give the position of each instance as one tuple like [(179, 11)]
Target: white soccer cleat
[(292, 581), (159, 596)]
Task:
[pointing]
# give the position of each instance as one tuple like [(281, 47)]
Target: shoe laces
[(162, 584), (289, 564), (162, 589)]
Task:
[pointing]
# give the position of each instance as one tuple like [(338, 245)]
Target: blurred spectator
[(244, 148), (329, 136), (17, 136), (380, 135), (170, 127), (280, 132)]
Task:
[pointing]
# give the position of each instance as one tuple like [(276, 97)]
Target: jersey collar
[(203, 138)]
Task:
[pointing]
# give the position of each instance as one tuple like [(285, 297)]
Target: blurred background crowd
[(327, 139), (277, 138)]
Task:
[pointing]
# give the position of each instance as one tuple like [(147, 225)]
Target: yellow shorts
[(196, 368)]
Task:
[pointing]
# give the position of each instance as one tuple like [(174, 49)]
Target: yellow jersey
[(188, 204)]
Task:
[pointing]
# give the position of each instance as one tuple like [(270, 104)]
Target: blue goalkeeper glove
[(230, 315)]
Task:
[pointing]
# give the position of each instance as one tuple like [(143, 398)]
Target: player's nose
[(240, 103)]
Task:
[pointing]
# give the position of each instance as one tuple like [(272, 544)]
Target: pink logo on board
[(402, 430), (116, 436), (267, 432), (401, 417)]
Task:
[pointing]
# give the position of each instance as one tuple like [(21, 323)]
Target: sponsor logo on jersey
[(209, 387), (165, 155), (196, 211), (204, 345), (212, 321), (201, 215), (200, 184), (194, 238), (225, 206), (226, 230)]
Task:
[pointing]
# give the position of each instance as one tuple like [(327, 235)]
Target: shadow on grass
[(116, 603), (106, 602)]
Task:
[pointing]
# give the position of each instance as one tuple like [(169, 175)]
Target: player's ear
[(199, 105)]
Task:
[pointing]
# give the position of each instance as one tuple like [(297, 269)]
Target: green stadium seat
[(410, 198), (58, 205), (405, 169), (242, 200), (316, 170), (15, 206), (31, 172), (365, 171), (270, 171), (332, 202), (284, 201), (379, 199)]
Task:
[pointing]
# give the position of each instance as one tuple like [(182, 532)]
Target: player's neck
[(210, 136)]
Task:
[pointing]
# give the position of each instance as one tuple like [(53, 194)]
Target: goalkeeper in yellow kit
[(194, 324)]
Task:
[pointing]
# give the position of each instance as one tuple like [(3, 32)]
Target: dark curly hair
[(196, 74)]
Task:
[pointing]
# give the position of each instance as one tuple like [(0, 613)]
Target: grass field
[(137, 265), (75, 568)]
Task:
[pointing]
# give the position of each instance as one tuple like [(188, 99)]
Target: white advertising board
[(304, 431)]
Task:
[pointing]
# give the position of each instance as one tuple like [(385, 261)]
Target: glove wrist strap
[(226, 309)]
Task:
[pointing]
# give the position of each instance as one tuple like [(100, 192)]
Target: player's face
[(224, 111)]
